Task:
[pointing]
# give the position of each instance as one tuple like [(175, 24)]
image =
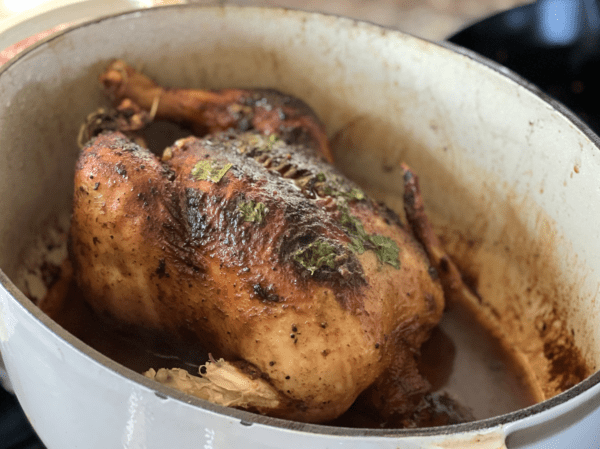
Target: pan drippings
[(460, 357)]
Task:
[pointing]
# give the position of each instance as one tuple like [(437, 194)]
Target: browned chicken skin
[(249, 241), (207, 112)]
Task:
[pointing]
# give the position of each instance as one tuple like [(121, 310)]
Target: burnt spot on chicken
[(168, 173), (266, 294), (192, 212), (121, 170), (161, 271)]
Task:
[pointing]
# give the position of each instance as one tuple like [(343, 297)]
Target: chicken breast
[(307, 291)]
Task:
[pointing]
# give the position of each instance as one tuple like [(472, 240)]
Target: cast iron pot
[(498, 161)]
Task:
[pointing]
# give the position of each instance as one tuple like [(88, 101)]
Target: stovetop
[(15, 430)]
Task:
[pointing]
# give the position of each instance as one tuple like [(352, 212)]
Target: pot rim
[(248, 418)]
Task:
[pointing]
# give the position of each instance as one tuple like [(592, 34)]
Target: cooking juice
[(471, 375)]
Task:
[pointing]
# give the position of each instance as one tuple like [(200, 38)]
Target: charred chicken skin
[(306, 292)]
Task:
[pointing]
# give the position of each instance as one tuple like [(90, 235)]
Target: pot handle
[(571, 422), (52, 14)]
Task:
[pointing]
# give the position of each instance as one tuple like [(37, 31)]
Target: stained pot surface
[(498, 164)]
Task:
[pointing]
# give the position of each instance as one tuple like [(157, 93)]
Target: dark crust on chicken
[(210, 111), (291, 208), (211, 220)]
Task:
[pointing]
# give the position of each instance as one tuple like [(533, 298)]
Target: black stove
[(15, 430), (555, 44)]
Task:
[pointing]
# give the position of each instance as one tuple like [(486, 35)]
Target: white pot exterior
[(445, 113)]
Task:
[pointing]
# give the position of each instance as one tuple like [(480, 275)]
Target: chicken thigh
[(306, 292)]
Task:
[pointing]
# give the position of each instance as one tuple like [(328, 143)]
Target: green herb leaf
[(335, 190), (356, 245), (356, 194), (316, 255), (210, 170), (253, 212), (351, 224), (386, 249)]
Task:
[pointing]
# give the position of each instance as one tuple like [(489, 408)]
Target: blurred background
[(430, 19)]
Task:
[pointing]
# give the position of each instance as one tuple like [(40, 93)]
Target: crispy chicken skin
[(250, 242), (207, 112)]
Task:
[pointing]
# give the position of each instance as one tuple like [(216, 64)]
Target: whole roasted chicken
[(306, 292)]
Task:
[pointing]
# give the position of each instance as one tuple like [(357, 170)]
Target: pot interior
[(509, 181)]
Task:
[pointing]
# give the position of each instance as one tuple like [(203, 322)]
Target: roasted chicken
[(306, 292)]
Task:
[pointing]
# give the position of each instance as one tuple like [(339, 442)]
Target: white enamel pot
[(496, 159)]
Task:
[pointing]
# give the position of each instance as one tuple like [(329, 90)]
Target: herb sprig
[(210, 170), (315, 255), (253, 212), (386, 250)]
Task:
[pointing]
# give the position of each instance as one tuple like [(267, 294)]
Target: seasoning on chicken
[(306, 292)]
